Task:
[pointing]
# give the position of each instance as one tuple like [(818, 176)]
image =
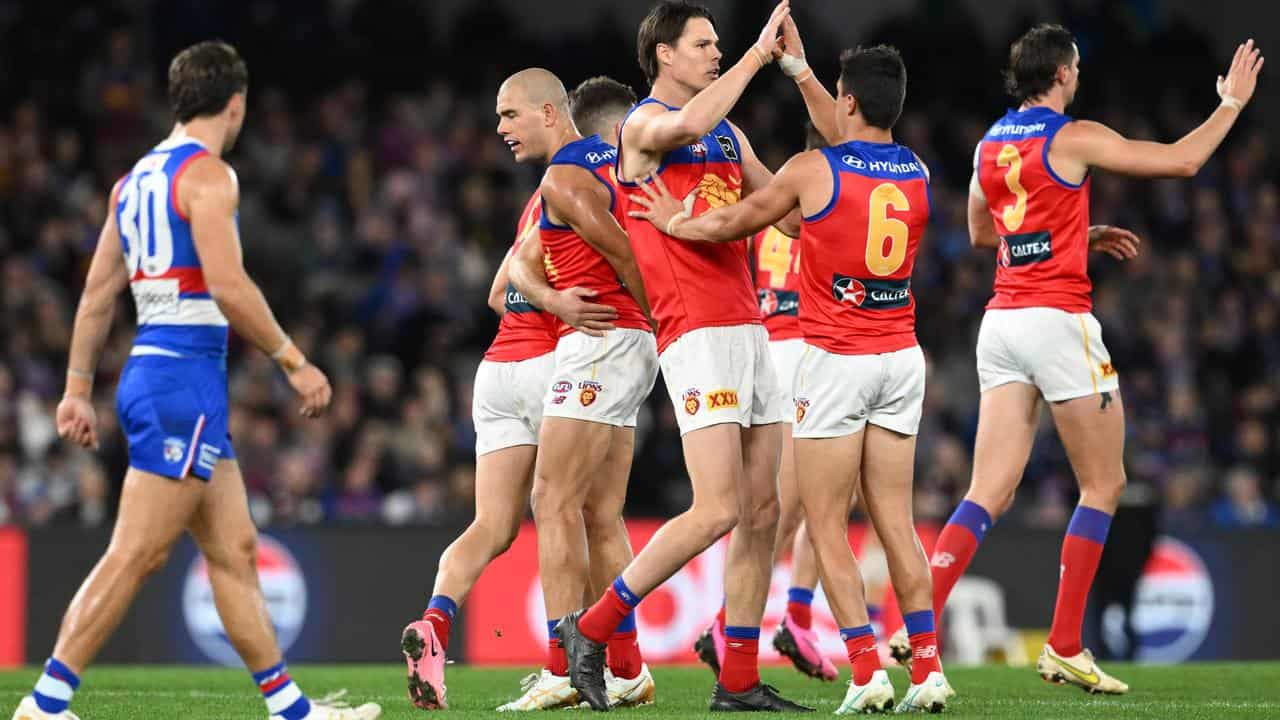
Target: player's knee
[(235, 555), (599, 520), (547, 501), (142, 559), (1106, 490), (717, 519), (761, 514)]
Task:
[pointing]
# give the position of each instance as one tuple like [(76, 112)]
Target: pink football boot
[(800, 646), (425, 656)]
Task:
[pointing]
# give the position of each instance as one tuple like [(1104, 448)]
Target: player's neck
[(202, 131), (563, 137), (859, 131), (1052, 100), (670, 92)]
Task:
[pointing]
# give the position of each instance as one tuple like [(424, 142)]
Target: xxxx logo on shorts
[(691, 401), (590, 390), (802, 406), (717, 399)]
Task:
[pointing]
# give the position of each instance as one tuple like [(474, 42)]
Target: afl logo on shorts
[(848, 291), (802, 406), (691, 401), (283, 586), (175, 449), (1173, 606), (563, 386)]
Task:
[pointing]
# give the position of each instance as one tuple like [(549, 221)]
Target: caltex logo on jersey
[(174, 450), (802, 407), (849, 291), (691, 401), (1003, 256)]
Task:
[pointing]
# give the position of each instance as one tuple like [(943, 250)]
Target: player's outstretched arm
[(577, 199), (528, 273), (209, 193), (982, 229), (755, 176), (657, 131), (820, 104), (107, 278), (1096, 145), (731, 222)]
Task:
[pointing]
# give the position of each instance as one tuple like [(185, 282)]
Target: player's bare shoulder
[(208, 179)]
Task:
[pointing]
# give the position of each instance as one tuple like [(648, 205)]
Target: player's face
[(695, 58), (1072, 82), (235, 118), (520, 123)]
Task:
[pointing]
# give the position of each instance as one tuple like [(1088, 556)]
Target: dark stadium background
[(377, 202)]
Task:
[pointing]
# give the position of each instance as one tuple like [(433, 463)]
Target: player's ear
[(664, 52), (549, 114)]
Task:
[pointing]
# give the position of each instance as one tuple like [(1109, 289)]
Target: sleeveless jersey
[(570, 261), (695, 285), (176, 315), (859, 251), (1042, 220), (777, 271), (525, 331)]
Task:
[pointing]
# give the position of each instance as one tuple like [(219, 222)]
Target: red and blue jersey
[(570, 261), (859, 251), (1042, 220), (777, 260), (176, 315), (694, 285), (525, 331)]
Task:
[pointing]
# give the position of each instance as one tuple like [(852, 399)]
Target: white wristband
[(1232, 102), (792, 66), (284, 348)]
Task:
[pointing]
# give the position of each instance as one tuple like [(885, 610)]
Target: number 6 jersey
[(176, 315), (1042, 220), (858, 252)]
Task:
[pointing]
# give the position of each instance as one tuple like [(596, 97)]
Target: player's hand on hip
[(1117, 242), (660, 207), (768, 41), (77, 421), (312, 385), (588, 318), (1242, 76)]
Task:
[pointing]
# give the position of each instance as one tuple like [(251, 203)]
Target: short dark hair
[(597, 100), (1034, 60), (664, 25), (877, 78), (812, 138), (203, 78)]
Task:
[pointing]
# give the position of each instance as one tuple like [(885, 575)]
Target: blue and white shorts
[(174, 414)]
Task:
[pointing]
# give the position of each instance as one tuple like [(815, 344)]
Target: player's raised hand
[(1242, 76), (312, 385), (1116, 242), (791, 44), (77, 421), (588, 318), (768, 41), (661, 207)]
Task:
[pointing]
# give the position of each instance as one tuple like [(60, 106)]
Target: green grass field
[(1223, 690)]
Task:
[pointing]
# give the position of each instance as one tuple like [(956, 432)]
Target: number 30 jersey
[(858, 252), (176, 315), (1042, 220)]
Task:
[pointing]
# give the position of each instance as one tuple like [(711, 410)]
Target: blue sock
[(551, 629), (624, 593), (284, 698), (875, 614), (803, 596), (1090, 524), (741, 632), (849, 633), (444, 604), (55, 687), (628, 623), (972, 517), (918, 622)]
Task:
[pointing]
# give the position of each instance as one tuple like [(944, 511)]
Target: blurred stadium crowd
[(377, 202)]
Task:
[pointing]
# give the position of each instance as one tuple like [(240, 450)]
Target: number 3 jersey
[(1042, 220), (859, 251), (176, 315)]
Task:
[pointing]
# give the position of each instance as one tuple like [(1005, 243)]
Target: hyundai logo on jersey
[(870, 294), (1016, 250)]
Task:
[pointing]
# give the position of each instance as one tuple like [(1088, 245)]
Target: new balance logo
[(943, 560), (925, 653)]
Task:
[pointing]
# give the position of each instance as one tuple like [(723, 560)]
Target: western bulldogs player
[(1039, 342), (859, 388), (171, 236)]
